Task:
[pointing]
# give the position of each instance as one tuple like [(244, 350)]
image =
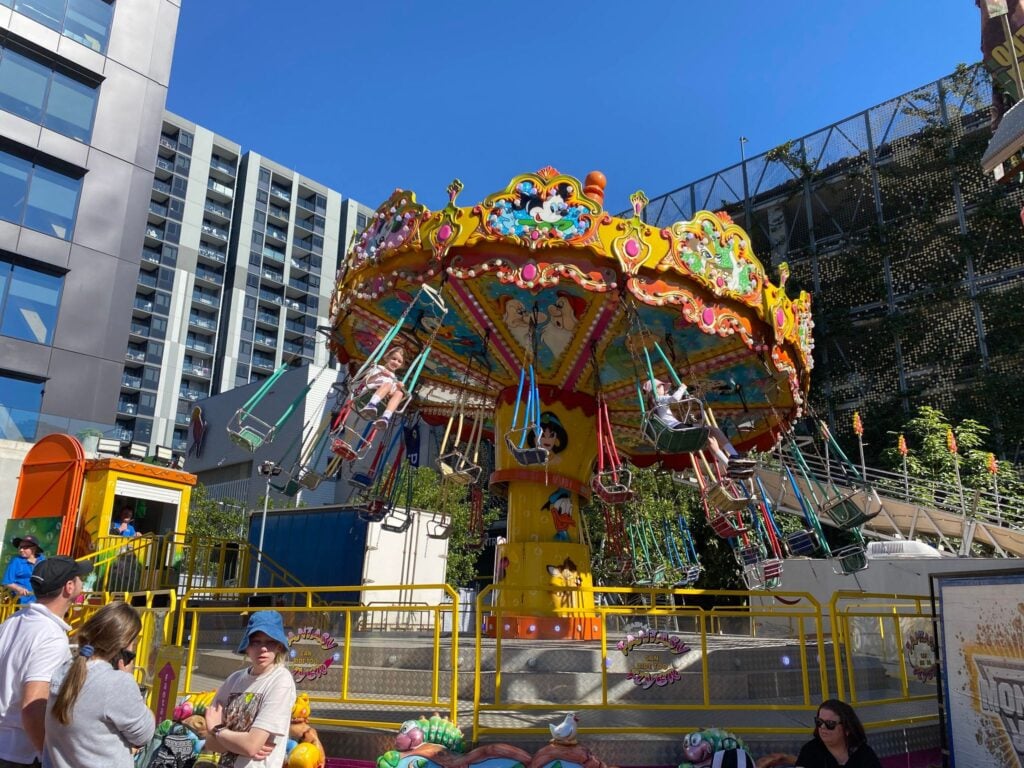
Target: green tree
[(659, 501), (465, 539), (929, 457), (215, 518)]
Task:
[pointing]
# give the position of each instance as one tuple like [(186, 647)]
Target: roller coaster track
[(959, 518)]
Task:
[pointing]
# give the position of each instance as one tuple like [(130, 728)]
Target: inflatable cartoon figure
[(699, 747)]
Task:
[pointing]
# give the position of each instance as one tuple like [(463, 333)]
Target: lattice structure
[(913, 256)]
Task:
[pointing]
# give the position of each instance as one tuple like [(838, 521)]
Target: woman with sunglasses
[(839, 740), (96, 714)]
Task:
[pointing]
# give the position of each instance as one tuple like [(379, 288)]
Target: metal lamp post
[(269, 470)]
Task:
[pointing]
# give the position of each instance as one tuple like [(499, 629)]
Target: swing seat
[(361, 479), (288, 488), (525, 456), (437, 529), (689, 575), (310, 480), (612, 486), (722, 496), (846, 513), (343, 450), (727, 524), (766, 574), (457, 468), (802, 543), (397, 521), (248, 432), (652, 579), (849, 559), (374, 510), (677, 438), (750, 555)]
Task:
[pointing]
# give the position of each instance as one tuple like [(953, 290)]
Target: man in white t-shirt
[(33, 645)]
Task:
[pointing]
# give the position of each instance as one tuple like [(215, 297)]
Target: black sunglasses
[(830, 725)]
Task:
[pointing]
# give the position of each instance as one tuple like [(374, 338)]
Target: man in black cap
[(33, 645), (18, 575)]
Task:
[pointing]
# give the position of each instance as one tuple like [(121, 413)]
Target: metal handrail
[(977, 503)]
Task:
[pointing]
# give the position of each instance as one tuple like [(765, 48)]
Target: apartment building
[(235, 277)]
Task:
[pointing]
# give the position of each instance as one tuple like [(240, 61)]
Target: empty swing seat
[(526, 456), (766, 574), (750, 555), (727, 525), (342, 449), (689, 575), (438, 529), (612, 486), (310, 480), (457, 468), (288, 488), (849, 559), (802, 543), (248, 432), (361, 479), (722, 497), (397, 521), (845, 512)]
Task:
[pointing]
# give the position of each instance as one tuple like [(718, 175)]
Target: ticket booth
[(71, 504)]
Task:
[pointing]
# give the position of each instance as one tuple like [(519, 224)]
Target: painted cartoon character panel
[(553, 436), (566, 574), (559, 504), (534, 212)]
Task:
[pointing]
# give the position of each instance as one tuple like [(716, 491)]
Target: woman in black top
[(839, 740)]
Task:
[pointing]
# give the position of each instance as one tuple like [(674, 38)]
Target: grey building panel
[(148, 140), (86, 58), (63, 147), (34, 32), (80, 384), (47, 250), (9, 234), (119, 118), (24, 357), (97, 297), (134, 226), (138, 25), (19, 129), (103, 205)]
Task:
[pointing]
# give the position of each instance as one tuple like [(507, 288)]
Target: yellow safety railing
[(877, 628), (202, 630)]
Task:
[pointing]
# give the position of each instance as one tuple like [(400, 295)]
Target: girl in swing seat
[(382, 380), (728, 458)]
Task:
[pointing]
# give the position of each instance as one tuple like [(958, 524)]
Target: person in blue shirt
[(124, 527), (19, 570)]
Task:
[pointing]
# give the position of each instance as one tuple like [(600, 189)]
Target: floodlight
[(108, 446), (164, 454), (138, 450)]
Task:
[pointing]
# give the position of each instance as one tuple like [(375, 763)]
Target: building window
[(20, 403), (28, 303), (84, 21), (37, 197), (36, 91)]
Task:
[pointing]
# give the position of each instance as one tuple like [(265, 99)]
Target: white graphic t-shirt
[(258, 701)]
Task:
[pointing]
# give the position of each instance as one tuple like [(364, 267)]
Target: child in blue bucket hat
[(251, 712)]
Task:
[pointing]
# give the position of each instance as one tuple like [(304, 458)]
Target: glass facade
[(38, 197), (84, 21), (20, 402), (29, 301), (35, 91)]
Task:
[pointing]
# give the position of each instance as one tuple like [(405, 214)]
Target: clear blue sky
[(368, 95)]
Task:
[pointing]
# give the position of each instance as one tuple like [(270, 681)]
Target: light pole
[(746, 185), (269, 470)]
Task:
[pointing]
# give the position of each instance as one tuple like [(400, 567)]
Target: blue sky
[(368, 96)]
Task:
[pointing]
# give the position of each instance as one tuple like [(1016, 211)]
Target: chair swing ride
[(539, 322)]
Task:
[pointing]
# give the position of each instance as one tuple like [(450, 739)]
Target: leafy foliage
[(464, 543), (215, 518), (659, 501)]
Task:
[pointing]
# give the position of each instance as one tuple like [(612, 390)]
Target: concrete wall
[(12, 453)]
